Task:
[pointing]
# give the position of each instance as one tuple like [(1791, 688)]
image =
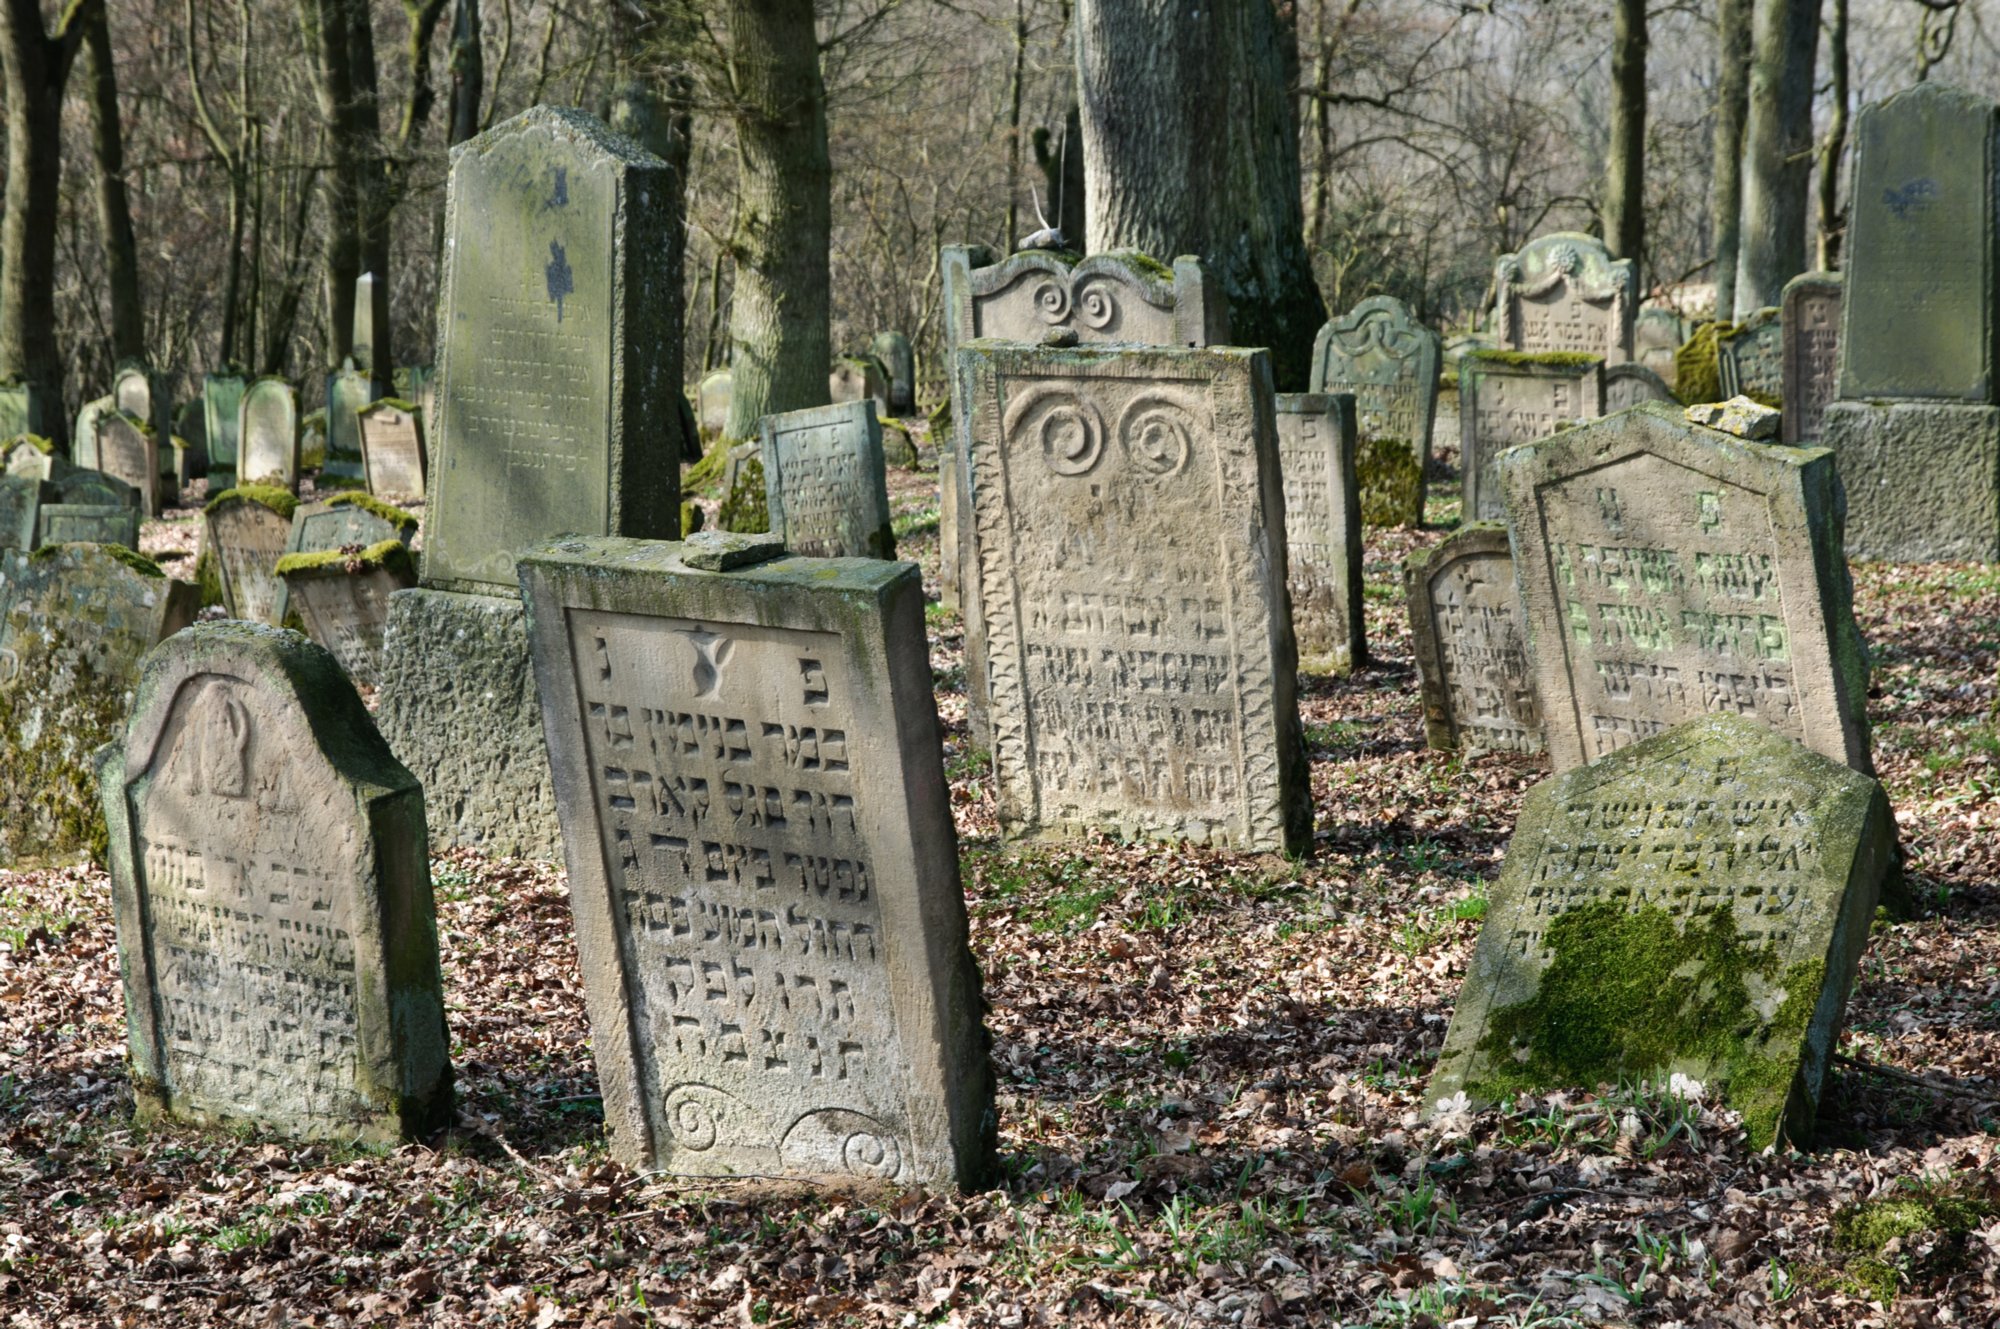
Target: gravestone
[(1120, 296), (25, 408), (95, 487), (135, 390), (89, 523), (271, 888), (371, 312), (269, 435), (1750, 358), (83, 444), (222, 418), (893, 352), (1445, 428), (348, 390), (824, 486), (1670, 570), (1630, 384), (714, 393), (1506, 398), (858, 378), (21, 500), (1696, 904), (1317, 448), (746, 752), (392, 449), (1125, 594), (1656, 334), (35, 458), (1470, 639), (75, 620), (128, 450), (1811, 344), (247, 530), (1564, 292), (342, 597), (1389, 361), (347, 519)]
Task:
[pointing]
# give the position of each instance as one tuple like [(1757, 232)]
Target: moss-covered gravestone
[(75, 620), (21, 501), (1695, 904), (271, 887), (825, 491), (1564, 292), (392, 449), (347, 520), (1750, 358), (1389, 361), (95, 487), (342, 597), (222, 420), (36, 457), (1811, 350), (129, 450), (247, 530), (269, 435), (762, 861), (1471, 642), (1506, 398), (1316, 447)]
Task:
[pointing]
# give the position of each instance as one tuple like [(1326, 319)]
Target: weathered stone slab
[(96, 487), (342, 597), (556, 396), (714, 393), (819, 870), (89, 523), (21, 500), (858, 378), (222, 421), (1119, 296), (83, 443), (371, 320), (348, 391), (392, 449), (75, 620), (35, 458), (1750, 358), (1656, 334), (1507, 398), (1811, 348), (1922, 479), (949, 526), (269, 435), (1696, 905), (1670, 570), (347, 520), (272, 893), (1317, 449), (26, 408), (898, 359), (1125, 599), (129, 450), (1389, 361), (247, 531), (1471, 642), (824, 485), (1630, 384), (1445, 428), (1739, 416), (1564, 292)]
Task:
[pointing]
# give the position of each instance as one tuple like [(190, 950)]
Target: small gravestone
[(269, 435), (271, 889), (858, 378), (95, 487), (714, 393), (892, 351), (898, 449), (25, 409), (222, 415), (1631, 384), (348, 390), (21, 501), (1389, 361), (1750, 359), (1444, 422), (136, 390), (1125, 603), (83, 444), (75, 620), (824, 488), (746, 754), (36, 458), (1470, 639), (247, 531), (392, 449), (342, 597), (1695, 905), (371, 318), (1564, 292), (345, 520), (1656, 335), (1507, 398), (1119, 296), (89, 523), (1317, 449), (128, 450), (1670, 570), (1811, 345)]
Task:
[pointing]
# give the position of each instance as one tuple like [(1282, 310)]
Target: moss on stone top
[(390, 403), (42, 445), (367, 502), (281, 501), (389, 555), (1697, 373), (1145, 263), (132, 559), (1559, 359)]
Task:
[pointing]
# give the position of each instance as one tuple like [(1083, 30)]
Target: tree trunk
[(1625, 170), (468, 72), (1732, 106), (1191, 147), (114, 211), (779, 330), (327, 21), (375, 187), (1777, 151), (1831, 223)]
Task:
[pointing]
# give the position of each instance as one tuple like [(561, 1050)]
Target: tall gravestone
[(129, 450), (559, 357), (893, 352), (392, 449), (1389, 361), (824, 484), (371, 319), (348, 392), (21, 500), (1507, 398), (269, 435), (764, 868), (1671, 570), (1811, 345), (247, 531), (1129, 628), (1695, 904), (83, 444), (1317, 449), (1470, 639), (139, 392), (1750, 360), (1564, 292), (222, 417), (271, 888)]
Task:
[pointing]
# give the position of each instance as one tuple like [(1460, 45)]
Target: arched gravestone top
[(1470, 640), (1120, 296), (272, 895), (83, 443), (1564, 292), (268, 438), (247, 530), (1631, 384), (1389, 361)]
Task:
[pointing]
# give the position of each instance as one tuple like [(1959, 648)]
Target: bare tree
[(1777, 151), (1625, 163), (114, 208), (1732, 109)]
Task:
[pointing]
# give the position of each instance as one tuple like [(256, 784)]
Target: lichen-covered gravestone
[(1128, 627), (1811, 337), (222, 419), (21, 500), (269, 435), (342, 597), (75, 620), (1750, 358), (893, 352), (271, 886), (1630, 384), (1507, 398), (824, 488), (763, 865), (1317, 448), (1470, 639), (348, 391), (1564, 292), (346, 520), (1389, 361), (392, 449), (128, 450), (91, 523), (1697, 905), (248, 529), (1670, 570)]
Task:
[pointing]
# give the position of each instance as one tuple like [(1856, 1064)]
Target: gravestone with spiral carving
[(1389, 361), (1564, 292)]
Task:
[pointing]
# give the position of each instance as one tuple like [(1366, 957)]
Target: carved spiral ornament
[(1565, 259), (866, 1154), (1072, 439), (1095, 305), (1156, 437), (699, 1115), (1052, 301)]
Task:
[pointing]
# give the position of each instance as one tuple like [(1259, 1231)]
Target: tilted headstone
[(1119, 296), (342, 597), (858, 378), (269, 435), (1317, 449), (89, 523), (1656, 334), (1811, 346), (824, 485), (1750, 358), (222, 408), (348, 390), (1632, 384), (247, 532), (714, 393), (26, 408), (1125, 601), (392, 449), (1670, 570), (129, 450), (1470, 639), (1564, 292), (1506, 398), (271, 888), (346, 520), (1697, 905), (893, 352), (746, 753), (34, 457), (83, 444), (21, 500), (75, 621), (1389, 361)]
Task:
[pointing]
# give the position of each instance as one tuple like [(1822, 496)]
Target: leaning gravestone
[(271, 889), (83, 444), (269, 435), (1750, 359), (75, 620), (342, 597), (746, 756), (824, 487), (1631, 384), (21, 500), (858, 378), (1389, 361), (1671, 570), (1126, 621), (222, 420), (1470, 639), (1695, 904), (392, 449), (1564, 292), (1317, 449), (348, 390), (1507, 398), (893, 352), (247, 530), (1811, 347), (129, 450)]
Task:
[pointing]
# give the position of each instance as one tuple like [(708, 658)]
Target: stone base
[(1922, 479), (458, 707)]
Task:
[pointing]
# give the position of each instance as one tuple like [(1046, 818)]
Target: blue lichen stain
[(561, 280)]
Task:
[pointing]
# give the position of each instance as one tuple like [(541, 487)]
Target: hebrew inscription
[(1471, 645), (1316, 448), (1811, 353), (1505, 401), (824, 481)]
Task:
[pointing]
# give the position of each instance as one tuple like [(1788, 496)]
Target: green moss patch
[(1697, 372), (35, 441), (388, 555), (707, 472), (404, 522), (692, 518), (138, 562), (744, 508), (1914, 1235), (281, 501), (1392, 482)]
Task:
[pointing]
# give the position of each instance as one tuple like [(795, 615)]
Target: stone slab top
[(738, 556)]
